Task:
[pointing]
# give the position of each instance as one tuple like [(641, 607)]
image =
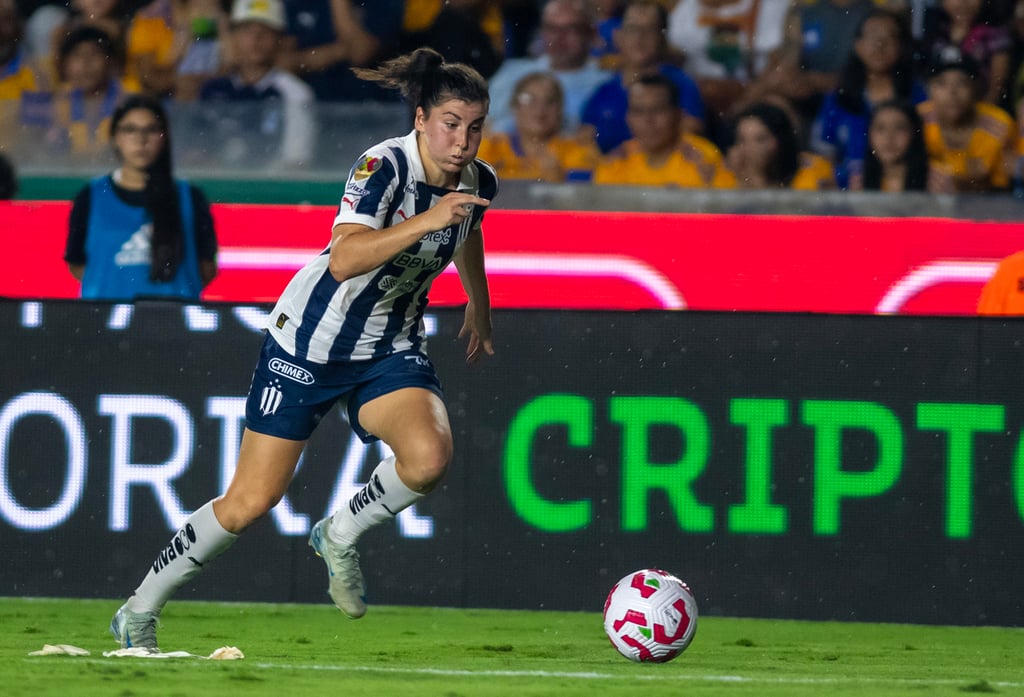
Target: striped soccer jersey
[(380, 312)]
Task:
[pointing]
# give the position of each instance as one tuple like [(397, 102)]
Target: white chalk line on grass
[(673, 677)]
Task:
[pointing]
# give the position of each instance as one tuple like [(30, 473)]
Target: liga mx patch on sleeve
[(366, 167)]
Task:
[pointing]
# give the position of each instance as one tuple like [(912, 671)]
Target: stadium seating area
[(53, 120)]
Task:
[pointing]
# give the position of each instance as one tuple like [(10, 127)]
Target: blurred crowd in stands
[(888, 95)]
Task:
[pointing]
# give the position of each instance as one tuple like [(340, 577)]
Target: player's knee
[(426, 464), (238, 511)]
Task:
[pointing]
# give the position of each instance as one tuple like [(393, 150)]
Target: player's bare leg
[(414, 423), (264, 470)]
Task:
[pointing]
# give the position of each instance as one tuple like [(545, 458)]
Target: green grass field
[(313, 650)]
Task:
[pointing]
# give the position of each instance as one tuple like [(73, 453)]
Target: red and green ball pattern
[(650, 616)]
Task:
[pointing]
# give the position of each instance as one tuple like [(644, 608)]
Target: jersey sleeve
[(369, 191), (78, 226)]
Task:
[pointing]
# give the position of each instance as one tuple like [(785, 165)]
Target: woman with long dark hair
[(138, 231), (349, 327), (766, 153), (879, 68), (896, 158)]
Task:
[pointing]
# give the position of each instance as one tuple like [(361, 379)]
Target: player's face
[(890, 135), (138, 139), (538, 109), (952, 94), (449, 137), (86, 68), (756, 142), (653, 119)]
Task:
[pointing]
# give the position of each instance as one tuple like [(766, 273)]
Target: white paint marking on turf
[(777, 680)]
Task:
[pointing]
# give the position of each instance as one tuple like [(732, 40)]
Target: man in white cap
[(265, 115)]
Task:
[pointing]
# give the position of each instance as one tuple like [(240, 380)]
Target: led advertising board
[(786, 465)]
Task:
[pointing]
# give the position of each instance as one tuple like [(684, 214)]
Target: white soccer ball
[(650, 616)]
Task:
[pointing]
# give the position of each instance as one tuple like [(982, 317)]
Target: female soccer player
[(349, 324)]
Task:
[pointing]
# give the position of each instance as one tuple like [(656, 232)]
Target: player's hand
[(452, 209), (478, 328)]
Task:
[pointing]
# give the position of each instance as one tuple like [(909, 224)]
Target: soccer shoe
[(135, 629), (346, 580)]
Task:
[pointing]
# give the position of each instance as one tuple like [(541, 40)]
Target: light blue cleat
[(135, 629), (346, 588)]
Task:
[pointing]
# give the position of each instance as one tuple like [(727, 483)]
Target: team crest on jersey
[(366, 168)]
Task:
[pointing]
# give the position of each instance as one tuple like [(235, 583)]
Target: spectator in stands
[(325, 38), (817, 38), (109, 16), (152, 53), (766, 153), (896, 158), (75, 118), (463, 31), (725, 44), (1015, 86), (201, 28), (537, 150), (566, 34), (661, 153), (17, 75), (261, 114), (139, 231), (608, 20), (970, 143), (8, 179), (879, 68), (642, 50), (1003, 293), (969, 26)]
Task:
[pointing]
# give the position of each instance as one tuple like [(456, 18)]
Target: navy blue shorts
[(289, 396)]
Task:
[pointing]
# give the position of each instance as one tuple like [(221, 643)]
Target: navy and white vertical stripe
[(381, 311)]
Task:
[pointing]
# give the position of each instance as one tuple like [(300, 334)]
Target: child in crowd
[(89, 68), (970, 143), (109, 16), (537, 150), (73, 120), (896, 158)]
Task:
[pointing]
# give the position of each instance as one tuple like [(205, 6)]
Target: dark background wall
[(785, 465)]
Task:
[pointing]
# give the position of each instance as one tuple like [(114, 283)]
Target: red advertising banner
[(591, 260)]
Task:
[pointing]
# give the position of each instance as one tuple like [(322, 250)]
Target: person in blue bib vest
[(139, 232)]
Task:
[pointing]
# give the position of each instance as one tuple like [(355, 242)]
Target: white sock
[(380, 500), (201, 539)]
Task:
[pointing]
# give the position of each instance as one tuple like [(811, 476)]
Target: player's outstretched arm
[(477, 324)]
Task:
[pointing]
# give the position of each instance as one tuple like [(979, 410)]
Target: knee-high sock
[(201, 539), (380, 500)]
